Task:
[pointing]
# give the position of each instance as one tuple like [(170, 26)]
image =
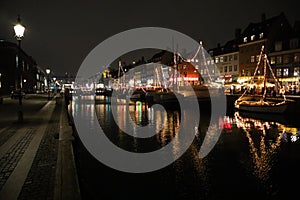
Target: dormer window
[(252, 37), (278, 46), (221, 59), (261, 35), (217, 60), (245, 39)]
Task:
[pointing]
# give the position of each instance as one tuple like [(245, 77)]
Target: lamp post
[(19, 34), (48, 81)]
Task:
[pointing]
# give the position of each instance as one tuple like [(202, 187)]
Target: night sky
[(59, 34)]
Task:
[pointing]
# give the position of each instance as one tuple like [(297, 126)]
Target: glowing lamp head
[(48, 71), (19, 31)]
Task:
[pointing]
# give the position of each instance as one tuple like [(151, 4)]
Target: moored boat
[(262, 103), (163, 95), (252, 104)]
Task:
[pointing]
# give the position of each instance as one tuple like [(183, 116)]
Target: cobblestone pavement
[(16, 142), (7, 133), (39, 183), (9, 161)]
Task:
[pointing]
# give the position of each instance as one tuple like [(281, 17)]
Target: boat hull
[(275, 109)]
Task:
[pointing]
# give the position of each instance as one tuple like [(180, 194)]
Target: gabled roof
[(229, 47), (268, 26)]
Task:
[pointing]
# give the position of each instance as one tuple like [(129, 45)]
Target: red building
[(188, 74)]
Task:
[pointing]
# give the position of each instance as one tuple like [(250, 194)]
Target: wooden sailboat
[(262, 103)]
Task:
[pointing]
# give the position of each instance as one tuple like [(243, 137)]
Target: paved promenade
[(36, 156)]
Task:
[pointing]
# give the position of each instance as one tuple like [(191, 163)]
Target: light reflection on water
[(246, 157)]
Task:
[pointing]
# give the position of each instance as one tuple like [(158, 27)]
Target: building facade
[(18, 70), (285, 61), (258, 35), (226, 58)]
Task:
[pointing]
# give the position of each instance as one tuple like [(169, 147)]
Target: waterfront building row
[(237, 59)]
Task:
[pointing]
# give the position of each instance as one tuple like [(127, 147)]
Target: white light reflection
[(294, 138), (262, 154)]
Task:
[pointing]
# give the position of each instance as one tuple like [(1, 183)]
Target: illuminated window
[(296, 71), (297, 57), (285, 72), (261, 35), (278, 72), (272, 60), (252, 37), (243, 72), (257, 57), (252, 59), (217, 60), (17, 61), (221, 59), (245, 39), (230, 58)]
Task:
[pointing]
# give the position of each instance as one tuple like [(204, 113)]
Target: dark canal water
[(256, 157)]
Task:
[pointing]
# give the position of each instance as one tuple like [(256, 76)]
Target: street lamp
[(19, 34), (19, 30), (48, 82)]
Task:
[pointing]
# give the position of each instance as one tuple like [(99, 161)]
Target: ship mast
[(264, 77)]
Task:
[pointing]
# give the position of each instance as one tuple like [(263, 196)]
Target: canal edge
[(66, 182)]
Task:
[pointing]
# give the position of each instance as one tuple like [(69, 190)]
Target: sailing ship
[(120, 88), (262, 103), (163, 91), (163, 95)]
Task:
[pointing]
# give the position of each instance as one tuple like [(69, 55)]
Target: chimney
[(238, 32), (263, 17)]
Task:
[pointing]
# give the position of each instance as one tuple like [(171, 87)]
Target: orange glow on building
[(189, 73)]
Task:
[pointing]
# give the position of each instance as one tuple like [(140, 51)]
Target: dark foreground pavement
[(36, 157)]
